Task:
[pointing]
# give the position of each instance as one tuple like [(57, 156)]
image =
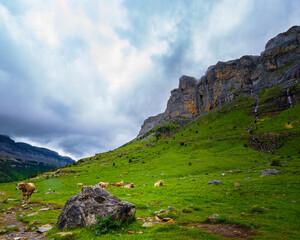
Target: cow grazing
[(119, 184), (27, 190), (131, 185), (159, 183), (104, 184), (80, 185)]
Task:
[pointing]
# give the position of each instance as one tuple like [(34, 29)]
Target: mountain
[(278, 65), (232, 144), (19, 160)]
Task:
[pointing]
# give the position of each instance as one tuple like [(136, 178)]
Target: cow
[(119, 184), (27, 190), (159, 183), (131, 185), (80, 185), (104, 184)]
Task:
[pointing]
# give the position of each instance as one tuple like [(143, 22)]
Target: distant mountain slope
[(19, 160), (278, 65)]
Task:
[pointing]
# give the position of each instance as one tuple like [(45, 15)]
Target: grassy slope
[(201, 151)]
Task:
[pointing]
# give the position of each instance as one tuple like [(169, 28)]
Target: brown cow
[(104, 184), (119, 184), (27, 190), (131, 185), (159, 183), (79, 184)]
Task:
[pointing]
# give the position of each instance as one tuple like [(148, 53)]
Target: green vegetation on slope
[(202, 150)]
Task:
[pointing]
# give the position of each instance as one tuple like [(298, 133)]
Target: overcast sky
[(80, 76)]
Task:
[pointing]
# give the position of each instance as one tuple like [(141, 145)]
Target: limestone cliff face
[(279, 64)]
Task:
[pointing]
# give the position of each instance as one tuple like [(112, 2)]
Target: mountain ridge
[(17, 156), (279, 64)]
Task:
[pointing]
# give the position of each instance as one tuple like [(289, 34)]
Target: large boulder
[(84, 208)]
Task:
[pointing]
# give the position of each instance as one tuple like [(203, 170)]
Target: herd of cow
[(28, 188)]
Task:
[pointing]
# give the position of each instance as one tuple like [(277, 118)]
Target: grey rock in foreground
[(269, 172), (84, 208), (215, 182)]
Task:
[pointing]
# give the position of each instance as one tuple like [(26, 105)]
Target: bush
[(105, 226), (275, 162)]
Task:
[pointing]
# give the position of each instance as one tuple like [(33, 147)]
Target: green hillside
[(186, 159)]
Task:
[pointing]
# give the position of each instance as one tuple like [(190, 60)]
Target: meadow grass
[(200, 151)]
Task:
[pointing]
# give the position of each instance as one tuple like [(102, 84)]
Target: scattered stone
[(147, 224), (269, 172), (231, 171), (223, 174), (84, 208), (212, 218), (32, 229), (22, 214), (247, 178), (215, 182), (44, 228), (162, 174), (44, 209), (11, 199), (169, 208), (63, 234), (10, 226), (154, 176), (293, 201), (160, 211), (238, 184), (20, 238), (35, 222), (32, 214), (51, 192)]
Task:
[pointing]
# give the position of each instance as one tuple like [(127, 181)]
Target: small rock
[(10, 226), (44, 209), (247, 178), (154, 176), (223, 174), (293, 201), (147, 224), (162, 174), (11, 199), (212, 218), (269, 172), (32, 228), (62, 234), (44, 228), (215, 182), (20, 238), (32, 214), (169, 208)]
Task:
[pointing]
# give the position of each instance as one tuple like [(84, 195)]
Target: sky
[(81, 76)]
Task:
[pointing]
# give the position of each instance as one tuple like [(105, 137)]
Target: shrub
[(275, 162), (105, 226)]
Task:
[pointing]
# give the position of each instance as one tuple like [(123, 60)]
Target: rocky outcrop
[(83, 209), (279, 64)]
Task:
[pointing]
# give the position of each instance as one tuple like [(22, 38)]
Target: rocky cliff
[(278, 65)]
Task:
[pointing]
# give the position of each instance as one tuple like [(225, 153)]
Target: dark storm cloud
[(81, 77)]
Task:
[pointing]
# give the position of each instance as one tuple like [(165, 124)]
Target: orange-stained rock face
[(227, 80)]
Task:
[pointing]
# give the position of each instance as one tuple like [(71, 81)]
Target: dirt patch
[(227, 230), (10, 218)]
